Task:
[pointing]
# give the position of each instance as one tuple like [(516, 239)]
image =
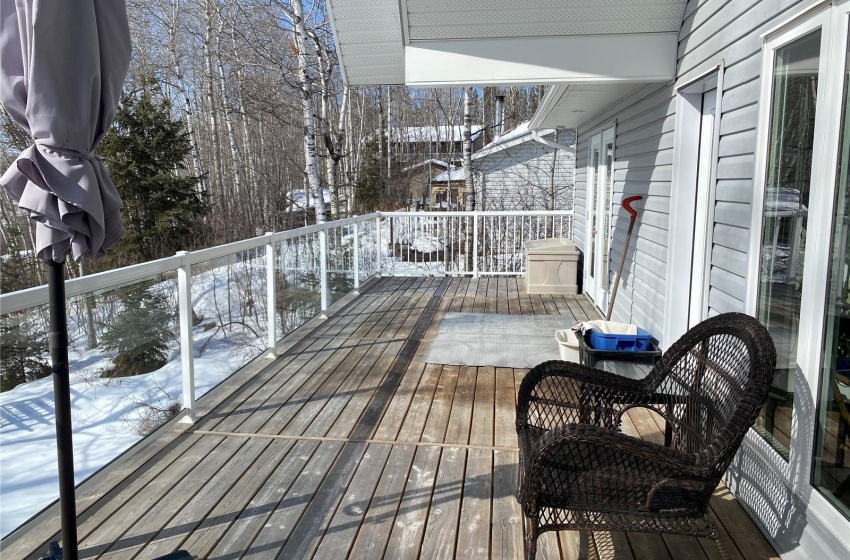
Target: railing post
[(323, 266), (356, 256), (378, 238), (475, 244), (271, 295), (187, 350)]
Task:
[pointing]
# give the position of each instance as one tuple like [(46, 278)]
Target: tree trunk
[(390, 138), (467, 170), (552, 188), (467, 149), (311, 166), (89, 305), (336, 154), (188, 113), (331, 139), (228, 119), (225, 101), (211, 94)]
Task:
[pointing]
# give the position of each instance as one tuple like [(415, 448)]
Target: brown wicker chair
[(577, 471)]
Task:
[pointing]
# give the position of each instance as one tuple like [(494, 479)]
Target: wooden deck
[(349, 445)]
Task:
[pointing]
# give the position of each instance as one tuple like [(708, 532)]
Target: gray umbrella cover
[(62, 67)]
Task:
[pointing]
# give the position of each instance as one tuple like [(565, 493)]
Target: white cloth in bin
[(606, 327)]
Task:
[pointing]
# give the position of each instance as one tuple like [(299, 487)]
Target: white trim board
[(626, 58), (684, 290)]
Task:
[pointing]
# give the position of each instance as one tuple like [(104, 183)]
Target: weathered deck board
[(349, 445)]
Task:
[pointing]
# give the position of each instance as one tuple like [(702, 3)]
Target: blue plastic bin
[(621, 342)]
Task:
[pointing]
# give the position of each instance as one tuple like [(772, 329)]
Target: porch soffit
[(570, 105), (483, 42)]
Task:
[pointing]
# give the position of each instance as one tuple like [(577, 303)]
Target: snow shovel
[(627, 204)]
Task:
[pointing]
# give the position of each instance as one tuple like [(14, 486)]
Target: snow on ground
[(107, 413)]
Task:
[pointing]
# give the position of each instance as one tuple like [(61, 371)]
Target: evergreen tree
[(139, 333), (22, 351), (371, 184), (15, 274), (19, 268), (375, 191), (146, 152)]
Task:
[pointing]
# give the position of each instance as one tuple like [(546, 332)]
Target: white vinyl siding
[(713, 32), (520, 177)]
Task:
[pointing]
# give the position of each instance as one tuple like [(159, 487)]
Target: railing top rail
[(110, 279), (117, 278), (482, 213), (353, 219)]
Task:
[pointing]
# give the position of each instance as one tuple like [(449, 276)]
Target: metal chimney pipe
[(499, 120)]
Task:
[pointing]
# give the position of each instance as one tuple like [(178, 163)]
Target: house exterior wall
[(642, 166), (528, 176), (408, 153), (714, 33)]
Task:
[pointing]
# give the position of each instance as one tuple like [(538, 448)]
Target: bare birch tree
[(302, 46), (467, 149)]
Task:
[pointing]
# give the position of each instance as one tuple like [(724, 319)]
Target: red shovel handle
[(627, 204)]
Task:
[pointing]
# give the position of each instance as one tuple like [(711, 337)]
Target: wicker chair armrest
[(588, 387)]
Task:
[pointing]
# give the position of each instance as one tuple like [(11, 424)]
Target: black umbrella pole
[(62, 400)]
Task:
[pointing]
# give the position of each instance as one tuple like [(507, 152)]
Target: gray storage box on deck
[(551, 266)]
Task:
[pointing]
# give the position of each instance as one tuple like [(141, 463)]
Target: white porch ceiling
[(569, 105), (477, 42)]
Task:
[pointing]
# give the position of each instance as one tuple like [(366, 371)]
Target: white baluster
[(187, 350)]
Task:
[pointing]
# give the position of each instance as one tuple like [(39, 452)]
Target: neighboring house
[(415, 143), (730, 118), (420, 177), (448, 190), (516, 172)]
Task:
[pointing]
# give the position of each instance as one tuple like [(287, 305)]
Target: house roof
[(478, 42), (442, 133), (456, 174), (436, 162), (515, 137), (519, 135)]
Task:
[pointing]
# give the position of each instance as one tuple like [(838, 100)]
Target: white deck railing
[(258, 290)]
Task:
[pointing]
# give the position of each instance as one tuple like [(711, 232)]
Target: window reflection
[(832, 443), (795, 82)]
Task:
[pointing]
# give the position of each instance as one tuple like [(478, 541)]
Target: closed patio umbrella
[(62, 67)]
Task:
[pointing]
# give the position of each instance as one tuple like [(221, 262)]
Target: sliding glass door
[(600, 175), (831, 471), (800, 260)]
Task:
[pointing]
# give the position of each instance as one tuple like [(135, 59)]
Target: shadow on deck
[(349, 445)]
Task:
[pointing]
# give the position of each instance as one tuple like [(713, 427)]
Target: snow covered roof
[(455, 174), (414, 134), (517, 136), (437, 162)]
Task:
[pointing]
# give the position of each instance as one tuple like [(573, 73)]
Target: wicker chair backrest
[(715, 380)]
